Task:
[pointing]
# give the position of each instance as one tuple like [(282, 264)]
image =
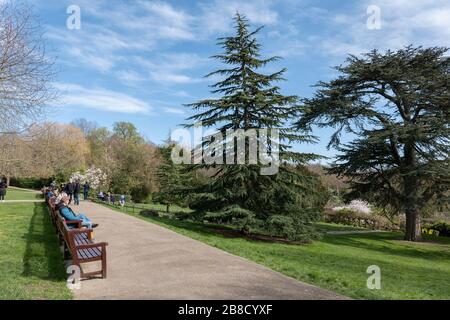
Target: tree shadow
[(385, 243), (39, 196), (221, 230), (42, 257), (336, 270), (347, 275), (379, 242)]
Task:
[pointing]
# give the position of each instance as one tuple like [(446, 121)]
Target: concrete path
[(146, 261)]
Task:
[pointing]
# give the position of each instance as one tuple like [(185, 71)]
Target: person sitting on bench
[(48, 194), (69, 215)]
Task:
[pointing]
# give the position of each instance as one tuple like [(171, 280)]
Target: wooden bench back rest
[(69, 233)]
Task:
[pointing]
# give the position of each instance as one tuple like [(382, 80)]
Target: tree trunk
[(413, 230), (411, 193), (8, 179), (167, 208)]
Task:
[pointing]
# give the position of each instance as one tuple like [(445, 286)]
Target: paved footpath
[(146, 261)]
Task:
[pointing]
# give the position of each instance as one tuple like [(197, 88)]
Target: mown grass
[(31, 265), (339, 262), (323, 226), (21, 194)]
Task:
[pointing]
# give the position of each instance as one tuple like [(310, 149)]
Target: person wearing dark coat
[(3, 187), (76, 192), (86, 188), (70, 188)]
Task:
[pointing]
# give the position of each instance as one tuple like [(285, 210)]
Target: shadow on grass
[(336, 270), (42, 258), (198, 227), (385, 243), (39, 196), (223, 231), (380, 242)]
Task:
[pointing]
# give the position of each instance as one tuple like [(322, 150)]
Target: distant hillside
[(330, 181)]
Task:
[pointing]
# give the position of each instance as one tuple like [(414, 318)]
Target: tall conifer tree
[(248, 100), (397, 106)]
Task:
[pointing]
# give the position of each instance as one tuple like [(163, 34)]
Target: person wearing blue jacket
[(68, 214)]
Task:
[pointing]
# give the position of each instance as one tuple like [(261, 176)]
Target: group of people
[(111, 198), (62, 201), (73, 189), (3, 187)]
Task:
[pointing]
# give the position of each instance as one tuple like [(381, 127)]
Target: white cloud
[(176, 111), (170, 78), (336, 33), (155, 19), (171, 68), (216, 16), (403, 22), (73, 95), (129, 77), (111, 30)]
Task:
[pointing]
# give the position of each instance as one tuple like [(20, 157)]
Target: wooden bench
[(52, 211), (81, 248), (78, 241)]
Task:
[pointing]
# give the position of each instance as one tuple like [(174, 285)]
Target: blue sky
[(140, 61)]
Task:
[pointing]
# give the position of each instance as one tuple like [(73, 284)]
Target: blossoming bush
[(94, 176), (358, 213), (357, 206)]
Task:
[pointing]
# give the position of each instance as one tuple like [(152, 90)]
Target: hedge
[(30, 183)]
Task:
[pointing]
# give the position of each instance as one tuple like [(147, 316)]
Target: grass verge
[(31, 265), (339, 262), (21, 194)]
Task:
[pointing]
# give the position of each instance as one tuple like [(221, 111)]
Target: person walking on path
[(122, 200), (86, 188), (76, 192), (69, 190), (3, 187)]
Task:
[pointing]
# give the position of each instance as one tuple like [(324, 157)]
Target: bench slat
[(82, 254), (93, 252)]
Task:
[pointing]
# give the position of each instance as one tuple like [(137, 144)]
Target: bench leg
[(66, 252), (104, 265)]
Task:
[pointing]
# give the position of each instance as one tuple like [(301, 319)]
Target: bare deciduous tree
[(26, 72)]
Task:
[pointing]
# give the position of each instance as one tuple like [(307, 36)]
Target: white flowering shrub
[(94, 176), (357, 206)]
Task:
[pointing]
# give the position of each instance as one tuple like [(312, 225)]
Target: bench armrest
[(74, 222), (92, 245), (79, 230)]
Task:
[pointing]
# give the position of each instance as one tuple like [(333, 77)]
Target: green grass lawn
[(158, 207), (31, 265), (21, 194), (162, 207), (324, 227), (339, 262)]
